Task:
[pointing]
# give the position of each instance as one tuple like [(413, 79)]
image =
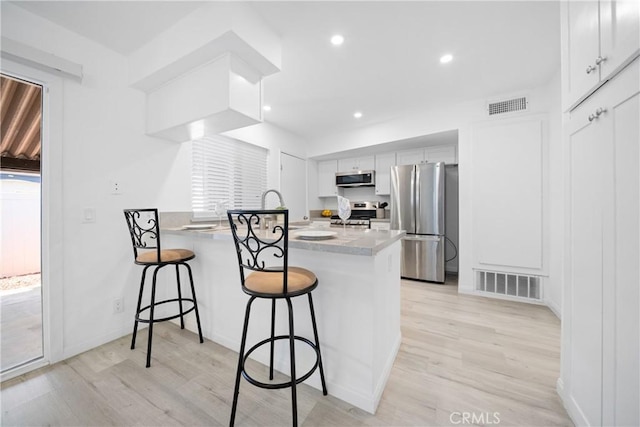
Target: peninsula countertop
[(367, 242)]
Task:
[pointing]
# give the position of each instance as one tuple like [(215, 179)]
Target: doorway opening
[(21, 320), (293, 186)]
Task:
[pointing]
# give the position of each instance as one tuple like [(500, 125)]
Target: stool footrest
[(163, 319), (283, 384)]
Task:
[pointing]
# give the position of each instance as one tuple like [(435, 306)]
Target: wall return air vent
[(509, 284), (508, 106)]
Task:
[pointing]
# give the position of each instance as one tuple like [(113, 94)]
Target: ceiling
[(388, 65)]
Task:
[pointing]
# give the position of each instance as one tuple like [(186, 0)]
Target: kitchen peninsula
[(357, 304)]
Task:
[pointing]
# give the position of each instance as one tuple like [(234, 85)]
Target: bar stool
[(258, 249), (144, 229)]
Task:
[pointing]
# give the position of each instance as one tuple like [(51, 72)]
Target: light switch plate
[(88, 215)]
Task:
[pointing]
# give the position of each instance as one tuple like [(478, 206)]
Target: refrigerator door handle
[(419, 237)]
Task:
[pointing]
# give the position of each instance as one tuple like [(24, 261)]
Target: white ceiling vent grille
[(510, 285), (508, 106)]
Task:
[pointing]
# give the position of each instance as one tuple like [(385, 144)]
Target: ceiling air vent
[(508, 106)]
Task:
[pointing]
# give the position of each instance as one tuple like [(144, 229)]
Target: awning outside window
[(21, 109)]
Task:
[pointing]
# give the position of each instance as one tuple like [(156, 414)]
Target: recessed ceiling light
[(446, 58), (337, 40), (357, 114), (266, 107)]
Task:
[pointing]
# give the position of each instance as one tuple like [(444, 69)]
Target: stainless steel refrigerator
[(417, 206)]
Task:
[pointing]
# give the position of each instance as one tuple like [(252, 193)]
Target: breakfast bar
[(357, 304)]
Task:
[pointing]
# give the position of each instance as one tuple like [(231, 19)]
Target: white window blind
[(229, 171)]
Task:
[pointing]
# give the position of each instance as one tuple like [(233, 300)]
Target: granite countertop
[(350, 241)]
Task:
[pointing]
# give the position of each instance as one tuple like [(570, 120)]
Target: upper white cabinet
[(364, 163), (384, 162), (381, 164), (327, 178), (410, 157), (433, 154), (599, 38), (441, 153)]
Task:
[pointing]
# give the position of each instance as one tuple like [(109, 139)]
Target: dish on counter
[(199, 226), (315, 234)]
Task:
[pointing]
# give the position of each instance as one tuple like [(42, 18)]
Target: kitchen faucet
[(264, 196), (268, 218)]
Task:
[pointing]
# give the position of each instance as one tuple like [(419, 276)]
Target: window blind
[(226, 171)]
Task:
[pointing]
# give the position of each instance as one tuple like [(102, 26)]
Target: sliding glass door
[(21, 297)]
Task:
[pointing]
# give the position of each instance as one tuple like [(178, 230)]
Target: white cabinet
[(364, 163), (327, 178), (598, 39), (384, 162), (441, 153), (601, 324), (410, 157), (432, 154)]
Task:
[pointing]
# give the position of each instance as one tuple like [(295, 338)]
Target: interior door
[(293, 185)]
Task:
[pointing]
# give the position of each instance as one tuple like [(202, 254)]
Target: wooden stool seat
[(166, 256), (266, 282)]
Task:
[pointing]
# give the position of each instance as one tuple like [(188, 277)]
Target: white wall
[(463, 117)]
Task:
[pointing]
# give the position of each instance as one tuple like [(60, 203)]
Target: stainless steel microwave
[(356, 179)]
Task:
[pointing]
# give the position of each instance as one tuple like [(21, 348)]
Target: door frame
[(306, 178), (51, 203)]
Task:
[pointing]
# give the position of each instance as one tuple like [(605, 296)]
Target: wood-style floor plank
[(459, 353)]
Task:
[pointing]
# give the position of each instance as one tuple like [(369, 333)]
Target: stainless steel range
[(361, 214)]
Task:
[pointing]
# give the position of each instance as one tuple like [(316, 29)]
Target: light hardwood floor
[(461, 356)]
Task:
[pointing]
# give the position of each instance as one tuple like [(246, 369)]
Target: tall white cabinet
[(600, 374)]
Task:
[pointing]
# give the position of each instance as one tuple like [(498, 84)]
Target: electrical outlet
[(116, 187), (118, 305)]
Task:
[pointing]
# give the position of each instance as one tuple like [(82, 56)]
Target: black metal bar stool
[(144, 229), (258, 249)]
